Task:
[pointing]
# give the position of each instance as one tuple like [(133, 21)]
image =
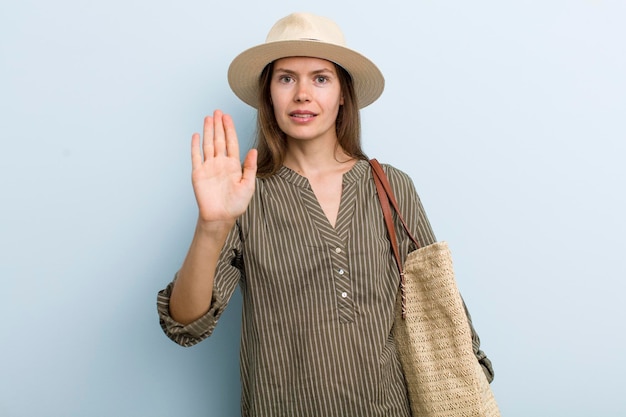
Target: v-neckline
[(346, 204)]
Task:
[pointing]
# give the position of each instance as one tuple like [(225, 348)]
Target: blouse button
[(337, 250), (344, 294), (341, 272)]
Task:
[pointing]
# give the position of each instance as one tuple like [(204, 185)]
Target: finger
[(249, 168), (196, 155), (207, 137), (232, 144), (219, 144)]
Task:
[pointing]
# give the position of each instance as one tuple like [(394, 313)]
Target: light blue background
[(510, 117)]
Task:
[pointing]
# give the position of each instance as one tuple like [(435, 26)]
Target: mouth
[(302, 115)]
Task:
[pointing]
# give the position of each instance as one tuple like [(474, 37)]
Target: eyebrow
[(315, 72)]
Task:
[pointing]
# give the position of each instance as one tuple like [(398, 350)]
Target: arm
[(223, 190), (484, 361), (415, 216)]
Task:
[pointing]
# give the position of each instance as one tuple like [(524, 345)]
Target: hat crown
[(304, 35), (306, 26)]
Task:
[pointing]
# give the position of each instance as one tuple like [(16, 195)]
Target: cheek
[(336, 98), (273, 95), (338, 103), (277, 101), (279, 110)]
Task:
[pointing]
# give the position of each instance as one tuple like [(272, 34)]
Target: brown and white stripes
[(318, 301)]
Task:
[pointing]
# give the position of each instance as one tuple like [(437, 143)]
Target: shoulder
[(400, 181)]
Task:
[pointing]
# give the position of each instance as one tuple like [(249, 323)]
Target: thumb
[(249, 167)]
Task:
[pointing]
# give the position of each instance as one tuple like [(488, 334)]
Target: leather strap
[(378, 171), (386, 196)]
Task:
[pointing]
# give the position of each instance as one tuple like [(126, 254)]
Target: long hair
[(271, 142)]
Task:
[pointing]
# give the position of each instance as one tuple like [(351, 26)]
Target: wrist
[(215, 228)]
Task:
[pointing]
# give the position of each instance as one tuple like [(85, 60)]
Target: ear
[(341, 100)]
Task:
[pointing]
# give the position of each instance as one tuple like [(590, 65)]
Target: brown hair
[(270, 140)]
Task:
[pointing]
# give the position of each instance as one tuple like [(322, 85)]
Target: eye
[(285, 79), (321, 79)]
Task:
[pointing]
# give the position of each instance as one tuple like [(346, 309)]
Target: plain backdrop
[(509, 116)]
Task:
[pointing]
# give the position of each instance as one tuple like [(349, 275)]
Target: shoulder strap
[(387, 191), (386, 196)]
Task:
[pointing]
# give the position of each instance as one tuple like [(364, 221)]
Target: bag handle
[(388, 191), (386, 196)]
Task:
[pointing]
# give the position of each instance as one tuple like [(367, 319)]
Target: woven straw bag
[(431, 330)]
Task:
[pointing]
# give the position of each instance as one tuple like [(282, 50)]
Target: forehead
[(303, 64)]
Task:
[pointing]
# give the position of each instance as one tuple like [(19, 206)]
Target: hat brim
[(244, 71)]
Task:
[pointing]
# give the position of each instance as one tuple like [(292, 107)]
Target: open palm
[(223, 188)]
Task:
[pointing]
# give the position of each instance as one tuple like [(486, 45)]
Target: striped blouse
[(317, 301)]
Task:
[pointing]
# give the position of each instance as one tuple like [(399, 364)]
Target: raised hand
[(223, 188)]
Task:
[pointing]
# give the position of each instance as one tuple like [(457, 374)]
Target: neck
[(315, 160)]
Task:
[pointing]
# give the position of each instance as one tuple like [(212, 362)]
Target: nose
[(302, 93)]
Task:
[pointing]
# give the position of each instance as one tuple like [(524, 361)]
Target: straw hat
[(304, 34)]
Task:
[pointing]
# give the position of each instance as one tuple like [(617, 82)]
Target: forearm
[(193, 289)]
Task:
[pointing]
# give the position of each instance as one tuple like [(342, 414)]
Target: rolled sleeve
[(194, 332), (227, 275)]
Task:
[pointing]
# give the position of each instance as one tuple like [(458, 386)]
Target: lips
[(302, 115)]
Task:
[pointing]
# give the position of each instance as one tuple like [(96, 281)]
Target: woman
[(302, 234)]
